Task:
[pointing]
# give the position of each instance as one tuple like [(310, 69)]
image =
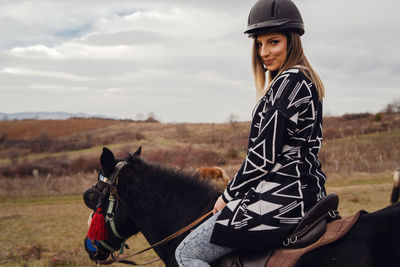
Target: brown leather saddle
[(310, 229)]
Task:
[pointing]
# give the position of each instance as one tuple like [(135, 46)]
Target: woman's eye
[(259, 44), (274, 41)]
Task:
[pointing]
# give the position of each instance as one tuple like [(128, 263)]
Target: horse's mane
[(171, 174), (171, 186)]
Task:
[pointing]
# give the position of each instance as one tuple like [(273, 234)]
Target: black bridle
[(94, 199)]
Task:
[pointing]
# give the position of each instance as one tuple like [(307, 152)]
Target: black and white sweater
[(281, 177)]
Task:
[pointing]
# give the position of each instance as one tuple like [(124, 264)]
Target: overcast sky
[(185, 61)]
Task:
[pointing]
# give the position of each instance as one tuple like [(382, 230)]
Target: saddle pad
[(334, 231)]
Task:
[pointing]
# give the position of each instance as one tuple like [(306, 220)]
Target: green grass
[(361, 179), (369, 192), (45, 200)]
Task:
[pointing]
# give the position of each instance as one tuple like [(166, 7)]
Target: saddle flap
[(328, 203), (309, 237), (254, 259), (313, 224)]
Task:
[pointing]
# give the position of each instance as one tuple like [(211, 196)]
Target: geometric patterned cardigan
[(281, 177)]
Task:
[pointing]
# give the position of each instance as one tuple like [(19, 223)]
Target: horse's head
[(109, 222)]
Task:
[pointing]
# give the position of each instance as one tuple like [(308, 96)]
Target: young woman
[(281, 177)]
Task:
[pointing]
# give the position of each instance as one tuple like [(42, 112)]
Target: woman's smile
[(267, 62)]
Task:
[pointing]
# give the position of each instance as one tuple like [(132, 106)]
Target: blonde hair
[(295, 58)]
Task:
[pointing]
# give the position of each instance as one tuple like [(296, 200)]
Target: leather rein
[(165, 240)]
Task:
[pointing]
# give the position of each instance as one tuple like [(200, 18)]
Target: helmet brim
[(259, 28)]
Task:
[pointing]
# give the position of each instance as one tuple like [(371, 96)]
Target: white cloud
[(35, 51), (112, 90), (52, 87), (178, 57), (29, 72)]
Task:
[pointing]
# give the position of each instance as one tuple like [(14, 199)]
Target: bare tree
[(393, 107), (233, 120), (151, 117)]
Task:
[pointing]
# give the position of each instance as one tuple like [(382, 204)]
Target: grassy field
[(45, 166), (49, 230)]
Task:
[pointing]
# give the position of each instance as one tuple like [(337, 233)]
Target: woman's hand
[(219, 205)]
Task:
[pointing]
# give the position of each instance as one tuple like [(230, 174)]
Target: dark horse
[(158, 201)]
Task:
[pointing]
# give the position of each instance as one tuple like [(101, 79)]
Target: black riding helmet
[(274, 15)]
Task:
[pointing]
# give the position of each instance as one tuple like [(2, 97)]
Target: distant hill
[(30, 129), (359, 124), (45, 116), (363, 142)]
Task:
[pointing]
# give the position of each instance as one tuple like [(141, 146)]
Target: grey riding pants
[(196, 250)]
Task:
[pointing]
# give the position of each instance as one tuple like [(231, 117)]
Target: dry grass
[(359, 124), (370, 153), (49, 230), (46, 185), (362, 191), (43, 220)]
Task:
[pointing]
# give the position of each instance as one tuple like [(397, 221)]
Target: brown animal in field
[(217, 174)]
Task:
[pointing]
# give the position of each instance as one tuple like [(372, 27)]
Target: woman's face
[(272, 49)]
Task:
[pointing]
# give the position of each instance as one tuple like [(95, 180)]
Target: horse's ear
[(137, 153), (107, 161)]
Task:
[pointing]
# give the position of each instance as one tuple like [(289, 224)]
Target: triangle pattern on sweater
[(263, 207), (291, 169), (292, 190), (291, 213), (263, 227)]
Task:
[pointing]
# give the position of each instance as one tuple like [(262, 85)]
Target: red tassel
[(98, 229)]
